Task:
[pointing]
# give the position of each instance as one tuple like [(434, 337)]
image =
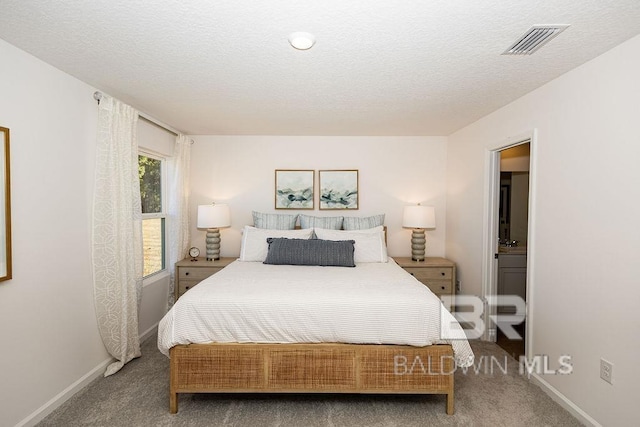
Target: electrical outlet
[(606, 371), (458, 286)]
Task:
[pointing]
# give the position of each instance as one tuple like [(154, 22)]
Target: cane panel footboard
[(311, 368)]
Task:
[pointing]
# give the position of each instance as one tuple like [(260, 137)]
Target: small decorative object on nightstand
[(418, 217), (213, 217), (189, 274), (194, 253), (438, 274)]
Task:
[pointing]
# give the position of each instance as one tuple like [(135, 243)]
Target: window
[(151, 172)]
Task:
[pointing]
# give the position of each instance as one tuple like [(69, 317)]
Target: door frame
[(491, 230)]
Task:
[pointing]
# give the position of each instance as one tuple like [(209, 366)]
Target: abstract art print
[(338, 189), (294, 189)]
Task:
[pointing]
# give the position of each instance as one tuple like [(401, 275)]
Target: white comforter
[(373, 303)]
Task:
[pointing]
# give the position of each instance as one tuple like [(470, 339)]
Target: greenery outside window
[(151, 172)]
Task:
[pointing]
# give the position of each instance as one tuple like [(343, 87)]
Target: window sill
[(154, 278)]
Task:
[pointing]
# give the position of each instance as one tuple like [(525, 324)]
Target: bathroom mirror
[(514, 206), (5, 208)]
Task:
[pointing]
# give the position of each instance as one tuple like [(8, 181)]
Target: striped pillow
[(274, 221), (328, 222), (325, 253), (362, 223)]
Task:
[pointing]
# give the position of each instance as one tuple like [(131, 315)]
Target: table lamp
[(213, 217), (418, 217)]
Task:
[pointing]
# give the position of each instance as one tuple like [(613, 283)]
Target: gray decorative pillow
[(362, 223), (326, 253), (274, 221), (326, 222)]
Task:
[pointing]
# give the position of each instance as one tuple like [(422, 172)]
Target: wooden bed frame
[(311, 368)]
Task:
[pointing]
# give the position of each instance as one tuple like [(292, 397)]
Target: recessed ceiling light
[(301, 40)]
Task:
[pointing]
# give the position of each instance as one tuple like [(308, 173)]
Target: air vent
[(534, 39)]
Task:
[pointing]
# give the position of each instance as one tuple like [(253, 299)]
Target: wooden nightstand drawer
[(436, 273), (185, 285), (195, 273), (439, 287), (189, 273)]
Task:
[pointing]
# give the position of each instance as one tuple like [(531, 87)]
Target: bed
[(283, 328)]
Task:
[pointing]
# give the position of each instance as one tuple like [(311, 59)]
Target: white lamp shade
[(214, 216), (419, 217)]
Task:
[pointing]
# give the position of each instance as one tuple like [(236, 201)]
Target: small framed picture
[(294, 189), (338, 189)]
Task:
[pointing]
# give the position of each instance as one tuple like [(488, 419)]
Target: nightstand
[(439, 274), (190, 273)]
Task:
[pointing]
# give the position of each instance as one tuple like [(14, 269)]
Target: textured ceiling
[(378, 67)]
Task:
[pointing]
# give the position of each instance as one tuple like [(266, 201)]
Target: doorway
[(513, 215), (508, 246)]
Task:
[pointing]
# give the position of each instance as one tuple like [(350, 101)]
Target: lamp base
[(213, 244), (418, 244)]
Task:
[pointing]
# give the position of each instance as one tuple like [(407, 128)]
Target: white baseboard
[(562, 400), (67, 393), (149, 332), (39, 414)]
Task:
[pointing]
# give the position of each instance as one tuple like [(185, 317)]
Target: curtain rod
[(153, 122), (98, 96)]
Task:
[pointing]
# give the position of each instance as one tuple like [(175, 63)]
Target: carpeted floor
[(138, 396), (513, 347)]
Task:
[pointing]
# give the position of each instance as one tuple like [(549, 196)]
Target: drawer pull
[(186, 274), (187, 287), (442, 273), (442, 287)]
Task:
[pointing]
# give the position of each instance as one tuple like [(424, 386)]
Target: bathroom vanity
[(512, 274)]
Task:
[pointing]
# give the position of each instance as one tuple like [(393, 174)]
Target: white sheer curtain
[(117, 232), (178, 207)]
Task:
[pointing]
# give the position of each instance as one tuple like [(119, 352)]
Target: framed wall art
[(294, 189), (338, 189), (5, 209)]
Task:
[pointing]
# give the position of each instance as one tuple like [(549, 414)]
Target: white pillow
[(369, 247), (254, 241)]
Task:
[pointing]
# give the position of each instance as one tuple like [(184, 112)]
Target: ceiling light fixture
[(301, 40)]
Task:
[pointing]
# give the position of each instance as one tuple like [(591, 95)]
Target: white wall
[(48, 326), (393, 172), (587, 204), (51, 346)]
